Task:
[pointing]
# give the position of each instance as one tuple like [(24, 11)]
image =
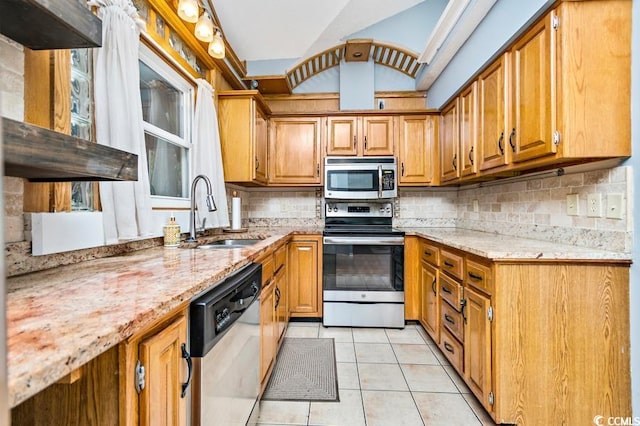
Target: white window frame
[(160, 66)]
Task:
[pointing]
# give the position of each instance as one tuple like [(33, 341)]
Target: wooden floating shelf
[(50, 24), (43, 155)]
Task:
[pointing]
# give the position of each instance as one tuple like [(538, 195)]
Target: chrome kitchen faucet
[(211, 204)]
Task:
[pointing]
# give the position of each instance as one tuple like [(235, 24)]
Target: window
[(82, 193), (167, 111)]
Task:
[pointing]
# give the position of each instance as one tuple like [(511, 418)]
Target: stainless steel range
[(363, 266)]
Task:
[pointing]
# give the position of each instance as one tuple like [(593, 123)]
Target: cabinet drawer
[(452, 349), (451, 263), (479, 276), (452, 320), (450, 291), (429, 253), (280, 257)]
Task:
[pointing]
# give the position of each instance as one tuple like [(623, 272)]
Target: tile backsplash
[(533, 208)]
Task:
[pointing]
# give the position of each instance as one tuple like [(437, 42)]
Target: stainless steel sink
[(230, 243)]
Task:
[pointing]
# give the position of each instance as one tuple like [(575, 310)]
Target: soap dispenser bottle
[(171, 233)]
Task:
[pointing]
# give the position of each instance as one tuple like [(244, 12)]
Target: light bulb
[(188, 10), (216, 47), (204, 28)]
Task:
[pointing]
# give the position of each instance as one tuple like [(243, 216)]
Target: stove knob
[(381, 209), (335, 209)]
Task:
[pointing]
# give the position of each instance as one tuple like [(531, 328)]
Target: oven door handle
[(362, 241)]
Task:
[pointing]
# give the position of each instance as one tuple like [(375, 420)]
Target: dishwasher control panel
[(212, 313)]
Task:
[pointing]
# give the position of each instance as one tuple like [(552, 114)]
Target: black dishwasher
[(224, 338)]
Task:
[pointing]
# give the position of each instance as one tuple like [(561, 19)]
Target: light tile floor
[(385, 378)]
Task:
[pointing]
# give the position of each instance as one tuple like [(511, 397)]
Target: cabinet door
[(449, 161), (342, 135), (377, 135), (294, 151), (492, 135), (236, 118), (282, 307), (260, 147), (477, 345), (160, 401), (468, 130), (429, 314), (530, 135), (305, 292), (415, 149), (267, 330)]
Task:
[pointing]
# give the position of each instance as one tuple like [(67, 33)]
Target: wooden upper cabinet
[(449, 160), (342, 135), (295, 151), (360, 135), (377, 135), (530, 135), (416, 149), (468, 130), (491, 115), (242, 118)]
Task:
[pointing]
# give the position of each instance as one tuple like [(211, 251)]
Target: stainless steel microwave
[(360, 178)]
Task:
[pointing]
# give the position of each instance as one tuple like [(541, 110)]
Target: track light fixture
[(205, 30)]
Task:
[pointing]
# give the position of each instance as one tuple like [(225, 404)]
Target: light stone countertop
[(505, 247), (61, 318)]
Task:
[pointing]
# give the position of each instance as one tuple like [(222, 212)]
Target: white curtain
[(126, 206), (207, 158)]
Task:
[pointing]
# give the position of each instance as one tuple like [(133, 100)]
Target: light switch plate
[(594, 205), (572, 205), (614, 206), (476, 206)]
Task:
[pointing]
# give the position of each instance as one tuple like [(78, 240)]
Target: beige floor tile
[(384, 408), (338, 334), (345, 352), (370, 335), (479, 410), (408, 335), (445, 409), (414, 354), (348, 411), (375, 353), (297, 331), (428, 378), (457, 380), (438, 353), (284, 412), (381, 377), (425, 336), (348, 375)]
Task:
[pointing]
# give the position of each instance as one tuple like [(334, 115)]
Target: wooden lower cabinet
[(268, 331), (543, 341), (430, 308), (158, 351), (305, 276), (477, 346)]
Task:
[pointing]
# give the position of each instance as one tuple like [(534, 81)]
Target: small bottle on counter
[(171, 233)]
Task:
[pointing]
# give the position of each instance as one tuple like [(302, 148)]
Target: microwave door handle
[(379, 181)]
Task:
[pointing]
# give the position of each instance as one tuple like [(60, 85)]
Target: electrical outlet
[(476, 206), (572, 205), (594, 205), (614, 206)]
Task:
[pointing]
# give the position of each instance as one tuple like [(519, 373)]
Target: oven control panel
[(359, 209)]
